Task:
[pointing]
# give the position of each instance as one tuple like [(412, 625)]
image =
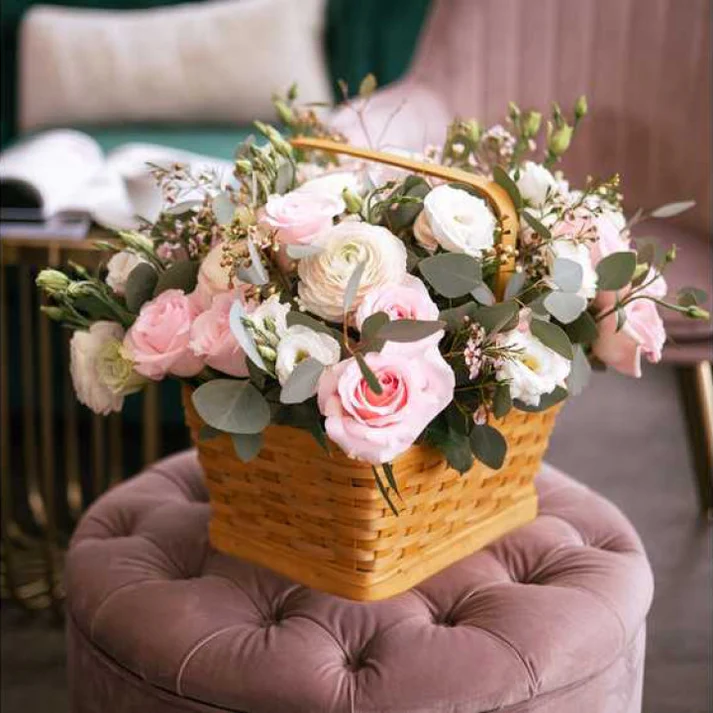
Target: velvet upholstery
[(548, 619)]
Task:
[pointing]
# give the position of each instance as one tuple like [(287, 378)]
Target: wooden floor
[(624, 438)]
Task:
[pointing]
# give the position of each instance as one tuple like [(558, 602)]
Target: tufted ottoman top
[(550, 605)]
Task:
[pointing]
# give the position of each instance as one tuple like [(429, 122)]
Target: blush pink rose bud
[(158, 341), (300, 215), (416, 387), (212, 340)]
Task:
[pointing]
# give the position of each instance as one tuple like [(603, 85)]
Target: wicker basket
[(320, 519)]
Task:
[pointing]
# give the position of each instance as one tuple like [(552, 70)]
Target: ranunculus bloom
[(213, 278), (416, 387), (120, 266), (407, 300), (299, 343), (612, 235), (458, 221), (212, 340), (324, 277), (87, 349), (300, 215), (535, 184), (159, 338), (643, 332), (533, 369)]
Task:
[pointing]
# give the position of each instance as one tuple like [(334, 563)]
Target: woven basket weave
[(320, 519)]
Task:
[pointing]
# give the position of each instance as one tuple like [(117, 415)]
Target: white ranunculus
[(533, 369), (120, 266), (333, 184), (458, 221), (270, 318), (535, 183), (579, 253), (324, 276), (99, 380), (299, 343)]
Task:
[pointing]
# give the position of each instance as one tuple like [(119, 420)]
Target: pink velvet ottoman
[(549, 619)]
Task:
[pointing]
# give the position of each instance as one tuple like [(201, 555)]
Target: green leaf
[(350, 291), (243, 337), (620, 318), (389, 472), (502, 401), (140, 286), (489, 446), (552, 336), (567, 274), (296, 317), (179, 276), (367, 86), (232, 405), (580, 372), (535, 224), (206, 432), (247, 445), (384, 492), (372, 324), (565, 307), (409, 330), (371, 379), (671, 209), (452, 275), (285, 179), (546, 401), (302, 382), (305, 416), (455, 316), (223, 208), (500, 317), (502, 179), (616, 270), (690, 296), (514, 286), (583, 330), (483, 294), (454, 445), (256, 274)]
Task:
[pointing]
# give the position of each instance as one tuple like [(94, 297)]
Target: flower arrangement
[(366, 304)]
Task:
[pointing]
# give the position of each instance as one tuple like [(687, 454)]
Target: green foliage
[(488, 445), (615, 271), (452, 275), (552, 336), (140, 286), (232, 405), (501, 177), (179, 276), (247, 445), (302, 382)]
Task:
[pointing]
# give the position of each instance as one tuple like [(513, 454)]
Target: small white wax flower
[(458, 221), (533, 369), (299, 343), (120, 267), (535, 183)]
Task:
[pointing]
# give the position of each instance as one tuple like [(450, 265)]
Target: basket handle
[(495, 195)]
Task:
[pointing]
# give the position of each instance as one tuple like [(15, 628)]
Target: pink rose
[(378, 427), (407, 300), (612, 236), (212, 340), (299, 215), (643, 332), (158, 340)]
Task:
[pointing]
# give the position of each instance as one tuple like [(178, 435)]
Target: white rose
[(299, 343), (333, 184), (535, 183), (458, 221), (579, 253), (120, 266), (101, 373), (533, 369), (324, 276)]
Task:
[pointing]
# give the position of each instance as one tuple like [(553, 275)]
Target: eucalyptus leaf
[(296, 317), (455, 317), (567, 274), (179, 276), (690, 296), (616, 270), (536, 225), (390, 478), (232, 405), (489, 446), (207, 433), (670, 209), (580, 372), (500, 317), (140, 286), (384, 492), (370, 377), (223, 208), (483, 294), (503, 179), (454, 445), (583, 330), (565, 307), (302, 382), (247, 445), (372, 324), (452, 275), (546, 401), (350, 292), (256, 274), (552, 337), (409, 330), (502, 401), (297, 252), (514, 286), (243, 336)]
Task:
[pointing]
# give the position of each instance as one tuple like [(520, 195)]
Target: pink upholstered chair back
[(643, 64)]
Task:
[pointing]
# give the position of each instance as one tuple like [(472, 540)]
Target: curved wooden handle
[(495, 195)]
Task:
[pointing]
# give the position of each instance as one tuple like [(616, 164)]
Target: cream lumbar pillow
[(210, 62)]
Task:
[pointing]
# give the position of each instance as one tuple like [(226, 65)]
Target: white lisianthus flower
[(533, 369), (579, 253), (324, 276), (333, 184), (535, 183), (101, 373), (120, 267), (458, 221), (300, 343)]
